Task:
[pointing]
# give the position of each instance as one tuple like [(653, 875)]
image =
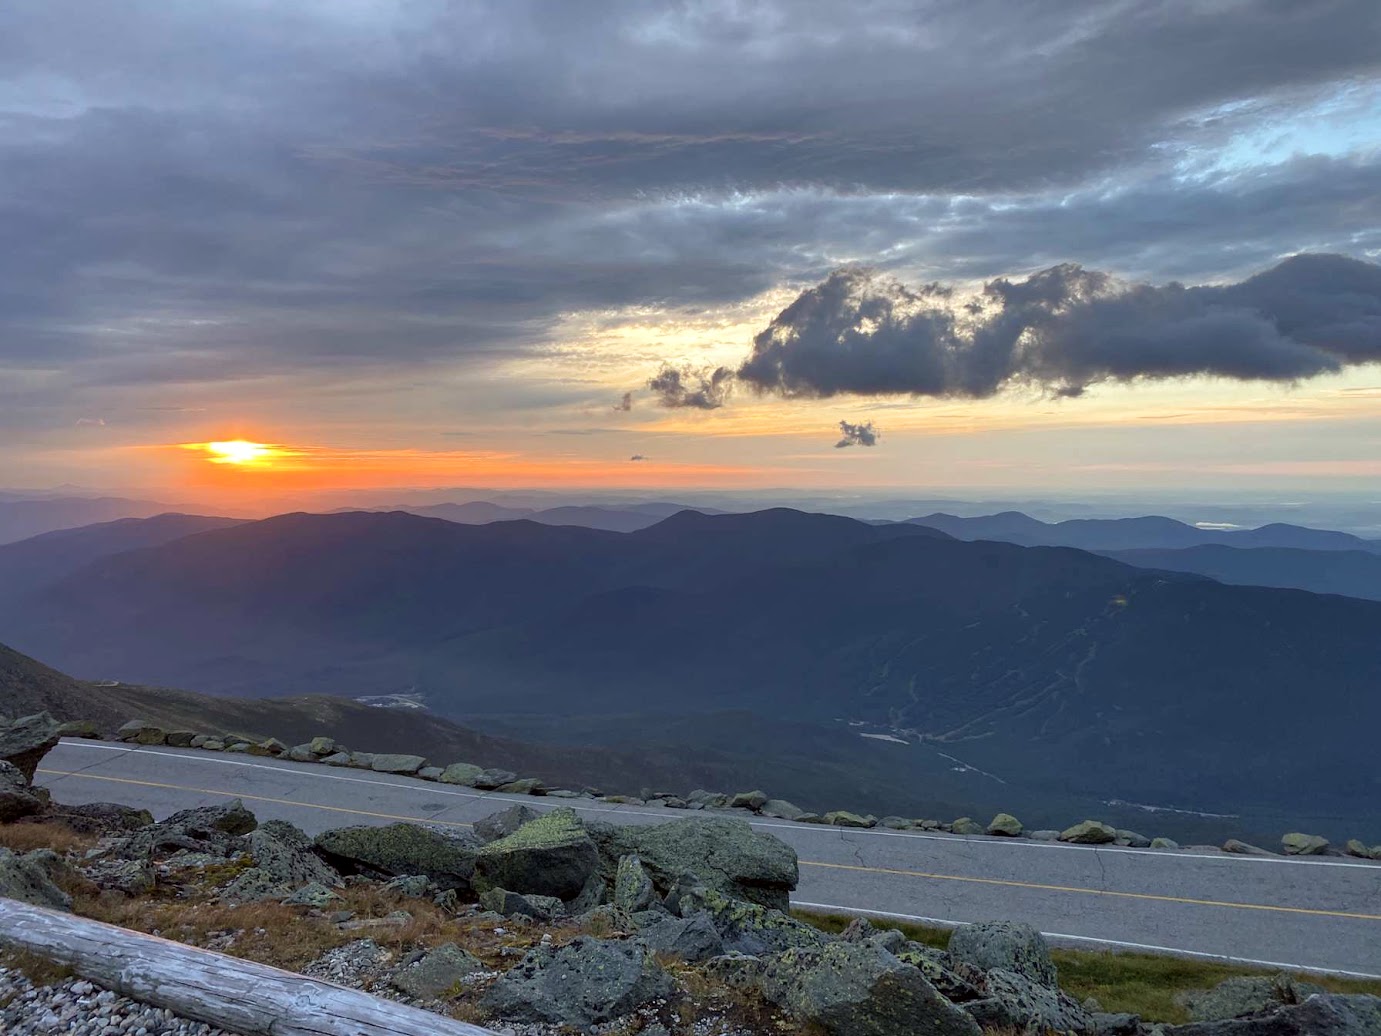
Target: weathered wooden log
[(239, 995)]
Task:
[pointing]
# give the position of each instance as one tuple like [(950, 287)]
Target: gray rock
[(16, 797), (584, 983), (415, 886), (503, 823), (26, 740), (1164, 843), (141, 732), (523, 786), (850, 989), (1089, 832), (1131, 839), (284, 860), (843, 818), (404, 764), (515, 904), (272, 746), (1244, 995), (84, 728), (966, 826), (1005, 824), (438, 973), (780, 808), (430, 773), (707, 799), (1353, 847), (723, 853), (314, 895), (753, 800), (552, 855), (213, 831), (1118, 1024), (1016, 1002), (446, 856), (338, 759), (895, 823), (1324, 1014), (1297, 844), (809, 818), (321, 745), (213, 744), (362, 760), (29, 878), (302, 754), (100, 818), (461, 773), (633, 889), (693, 938), (1011, 946), (747, 927), (938, 968), (180, 738), (231, 740), (492, 779), (1232, 845), (131, 877)]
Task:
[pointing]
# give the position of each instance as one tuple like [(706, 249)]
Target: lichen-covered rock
[(1324, 1014), (851, 989), (747, 928), (1244, 995), (446, 856), (322, 745), (362, 760), (29, 878), (1298, 844), (843, 818), (1005, 824), (939, 969), (523, 786), (551, 855), (314, 895), (1353, 847), (27, 740), (516, 904), (1240, 848), (753, 800), (1011, 946), (212, 830), (100, 818), (584, 983), (1164, 843), (302, 754), (16, 797), (1131, 839), (503, 823), (437, 973), (179, 738), (83, 728), (401, 764), (141, 732), (131, 877), (707, 799), (1090, 832), (283, 861), (966, 826), (1014, 1001), (693, 938), (461, 773), (633, 889), (493, 779), (337, 759), (779, 808), (722, 853)]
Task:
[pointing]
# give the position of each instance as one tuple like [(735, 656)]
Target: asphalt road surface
[(1309, 914)]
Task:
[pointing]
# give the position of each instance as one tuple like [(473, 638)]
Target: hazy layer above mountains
[(1061, 674)]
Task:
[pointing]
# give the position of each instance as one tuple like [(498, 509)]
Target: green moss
[(552, 830)]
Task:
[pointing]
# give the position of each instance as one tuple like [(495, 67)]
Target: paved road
[(1322, 915)]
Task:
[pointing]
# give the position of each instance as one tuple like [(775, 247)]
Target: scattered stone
[(1297, 844), (551, 855), (779, 808), (1130, 839), (523, 786), (966, 826), (1244, 995), (493, 779), (516, 904), (461, 773), (850, 989), (16, 796), (27, 740), (180, 738), (445, 856), (1090, 832), (633, 889), (314, 895), (504, 823), (84, 728), (77, 1008), (1164, 843), (693, 938), (1011, 946), (438, 973), (1005, 824), (843, 818), (584, 983), (753, 800), (402, 764), (1232, 845)]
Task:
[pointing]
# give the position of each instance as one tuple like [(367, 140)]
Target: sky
[(657, 245)]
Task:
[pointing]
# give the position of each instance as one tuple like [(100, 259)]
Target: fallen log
[(238, 995)]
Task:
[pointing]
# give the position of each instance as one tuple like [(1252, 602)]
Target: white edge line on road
[(1170, 950), (309, 770)]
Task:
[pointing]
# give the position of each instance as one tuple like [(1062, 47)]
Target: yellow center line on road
[(1089, 892), (924, 875)]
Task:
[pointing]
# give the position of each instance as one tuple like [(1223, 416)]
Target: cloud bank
[(857, 435)]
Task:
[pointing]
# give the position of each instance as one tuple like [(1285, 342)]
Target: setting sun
[(237, 451)]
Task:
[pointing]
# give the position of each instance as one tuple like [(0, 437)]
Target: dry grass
[(23, 838)]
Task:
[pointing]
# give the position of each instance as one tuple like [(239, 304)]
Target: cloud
[(857, 435), (700, 388), (637, 456), (1066, 328), (625, 402)]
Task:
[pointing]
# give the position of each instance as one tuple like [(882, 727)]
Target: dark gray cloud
[(698, 388), (1066, 328), (637, 456), (625, 403), (857, 435)]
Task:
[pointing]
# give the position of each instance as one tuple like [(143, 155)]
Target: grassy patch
[(1138, 983), (22, 838)]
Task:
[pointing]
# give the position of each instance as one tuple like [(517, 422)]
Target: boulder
[(321, 745), (339, 759), (693, 939), (504, 823), (1005, 824), (746, 927), (1106, 1023), (851, 989), (492, 779), (446, 856), (523, 786), (26, 740), (29, 878), (302, 754), (430, 773), (180, 738), (284, 860), (141, 732), (240, 740), (1244, 995), (84, 728), (313, 895), (753, 800), (552, 855), (1131, 839), (404, 764), (211, 830), (414, 886), (1232, 845), (1353, 847), (895, 823), (633, 889), (843, 818), (461, 773), (100, 818), (272, 746), (938, 968), (722, 853), (707, 799), (584, 983), (1013, 1001), (362, 760), (1164, 843), (779, 808), (1324, 1014), (1009, 945), (437, 973), (515, 904), (1090, 832), (16, 796), (130, 877), (966, 826), (213, 744), (1297, 844), (809, 818)]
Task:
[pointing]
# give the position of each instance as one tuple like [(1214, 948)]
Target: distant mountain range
[(623, 518), (22, 517), (1054, 670)]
